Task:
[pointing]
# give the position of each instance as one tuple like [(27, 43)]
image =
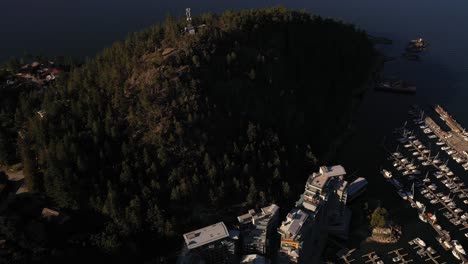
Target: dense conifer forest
[(166, 131)]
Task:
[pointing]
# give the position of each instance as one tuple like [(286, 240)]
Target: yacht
[(440, 143), (447, 244), (426, 163), (458, 247), (419, 242), (421, 216), (455, 254), (433, 217), (429, 196), (387, 174)]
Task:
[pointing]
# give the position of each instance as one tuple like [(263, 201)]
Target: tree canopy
[(166, 131)]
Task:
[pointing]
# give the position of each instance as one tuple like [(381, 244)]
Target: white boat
[(387, 174), (415, 153), (415, 172), (440, 143), (455, 254), (421, 216), (406, 172), (419, 241), (432, 136), (425, 151), (458, 247), (407, 145), (426, 163), (397, 155), (447, 244)]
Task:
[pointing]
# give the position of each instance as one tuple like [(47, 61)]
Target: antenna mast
[(189, 17)]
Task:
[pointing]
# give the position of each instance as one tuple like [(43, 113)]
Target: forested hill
[(167, 131)]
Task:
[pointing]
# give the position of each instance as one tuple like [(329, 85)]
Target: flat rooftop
[(319, 180), (206, 235), (295, 220), (332, 171)]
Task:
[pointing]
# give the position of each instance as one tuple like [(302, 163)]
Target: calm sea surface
[(82, 28)]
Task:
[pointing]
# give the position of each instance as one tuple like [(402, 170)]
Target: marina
[(428, 171)]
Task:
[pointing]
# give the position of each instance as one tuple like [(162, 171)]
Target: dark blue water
[(83, 28)]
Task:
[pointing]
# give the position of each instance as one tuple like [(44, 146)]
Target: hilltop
[(166, 131)]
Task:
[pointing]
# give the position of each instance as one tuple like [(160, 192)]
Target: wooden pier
[(400, 256), (372, 258)]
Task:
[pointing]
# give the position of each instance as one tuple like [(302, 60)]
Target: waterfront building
[(320, 215), (257, 230)]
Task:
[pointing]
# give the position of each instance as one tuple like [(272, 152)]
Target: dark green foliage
[(378, 217), (163, 143)]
